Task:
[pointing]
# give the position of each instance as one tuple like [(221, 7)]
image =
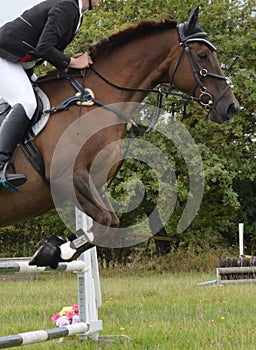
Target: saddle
[(40, 119)]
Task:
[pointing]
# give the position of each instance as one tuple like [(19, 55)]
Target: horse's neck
[(136, 65)]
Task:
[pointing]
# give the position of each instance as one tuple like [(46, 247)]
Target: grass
[(156, 310)]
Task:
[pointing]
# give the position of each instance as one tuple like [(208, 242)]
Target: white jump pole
[(33, 337), (24, 267), (241, 239), (89, 292)]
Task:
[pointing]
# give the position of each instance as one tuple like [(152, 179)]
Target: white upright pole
[(241, 239), (89, 293)]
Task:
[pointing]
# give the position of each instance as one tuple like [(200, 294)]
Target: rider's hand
[(80, 61)]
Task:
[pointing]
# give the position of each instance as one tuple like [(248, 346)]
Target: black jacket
[(44, 31)]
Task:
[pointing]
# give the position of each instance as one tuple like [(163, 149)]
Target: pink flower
[(70, 315), (55, 317), (75, 308)]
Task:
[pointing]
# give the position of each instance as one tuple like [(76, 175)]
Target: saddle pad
[(42, 121)]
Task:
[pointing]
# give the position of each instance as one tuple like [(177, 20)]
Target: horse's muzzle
[(222, 114)]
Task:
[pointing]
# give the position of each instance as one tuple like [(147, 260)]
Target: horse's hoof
[(47, 255)]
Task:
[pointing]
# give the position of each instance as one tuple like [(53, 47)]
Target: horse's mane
[(145, 27), (106, 45)]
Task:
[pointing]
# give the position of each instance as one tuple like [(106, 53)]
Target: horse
[(127, 66)]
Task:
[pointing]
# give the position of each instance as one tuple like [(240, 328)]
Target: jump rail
[(23, 267), (11, 341), (89, 295), (235, 270)]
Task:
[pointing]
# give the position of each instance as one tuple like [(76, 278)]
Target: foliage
[(228, 151)]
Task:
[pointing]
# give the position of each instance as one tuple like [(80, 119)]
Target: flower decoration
[(68, 315)]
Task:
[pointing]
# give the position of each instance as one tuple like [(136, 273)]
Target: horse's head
[(197, 72)]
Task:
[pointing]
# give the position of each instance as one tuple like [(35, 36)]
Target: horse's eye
[(203, 56)]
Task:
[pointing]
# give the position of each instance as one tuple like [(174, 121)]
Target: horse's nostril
[(233, 109)]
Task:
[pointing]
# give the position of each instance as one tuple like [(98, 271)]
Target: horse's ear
[(192, 22)]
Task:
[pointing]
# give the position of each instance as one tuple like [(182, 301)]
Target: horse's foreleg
[(95, 204), (99, 208), (115, 221), (82, 241)]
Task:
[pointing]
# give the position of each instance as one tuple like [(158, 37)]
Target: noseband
[(205, 98)]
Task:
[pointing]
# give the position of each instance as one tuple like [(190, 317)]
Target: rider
[(42, 32)]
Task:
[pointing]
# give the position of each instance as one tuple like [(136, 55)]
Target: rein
[(158, 91), (163, 89), (205, 98)]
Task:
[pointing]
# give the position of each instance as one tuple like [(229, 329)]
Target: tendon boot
[(12, 132), (55, 249), (48, 253)]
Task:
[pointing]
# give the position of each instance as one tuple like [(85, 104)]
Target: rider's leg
[(11, 133), (16, 89)]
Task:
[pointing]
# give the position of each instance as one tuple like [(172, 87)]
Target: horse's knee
[(104, 219), (107, 219), (115, 221)]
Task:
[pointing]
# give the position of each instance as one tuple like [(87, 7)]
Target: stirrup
[(11, 182)]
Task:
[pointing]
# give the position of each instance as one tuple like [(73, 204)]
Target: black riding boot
[(12, 132)]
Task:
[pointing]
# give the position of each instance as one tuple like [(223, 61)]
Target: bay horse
[(127, 66)]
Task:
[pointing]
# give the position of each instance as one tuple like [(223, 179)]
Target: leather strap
[(36, 159)]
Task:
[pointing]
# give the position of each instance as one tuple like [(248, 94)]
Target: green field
[(156, 310)]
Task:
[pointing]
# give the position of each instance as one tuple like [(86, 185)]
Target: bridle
[(205, 98)]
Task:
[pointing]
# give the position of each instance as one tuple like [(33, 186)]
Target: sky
[(11, 9)]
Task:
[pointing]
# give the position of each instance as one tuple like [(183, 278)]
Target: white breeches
[(15, 86)]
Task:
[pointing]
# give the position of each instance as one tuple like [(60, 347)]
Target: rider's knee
[(30, 107)]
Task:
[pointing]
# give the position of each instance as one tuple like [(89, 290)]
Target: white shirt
[(80, 4)]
